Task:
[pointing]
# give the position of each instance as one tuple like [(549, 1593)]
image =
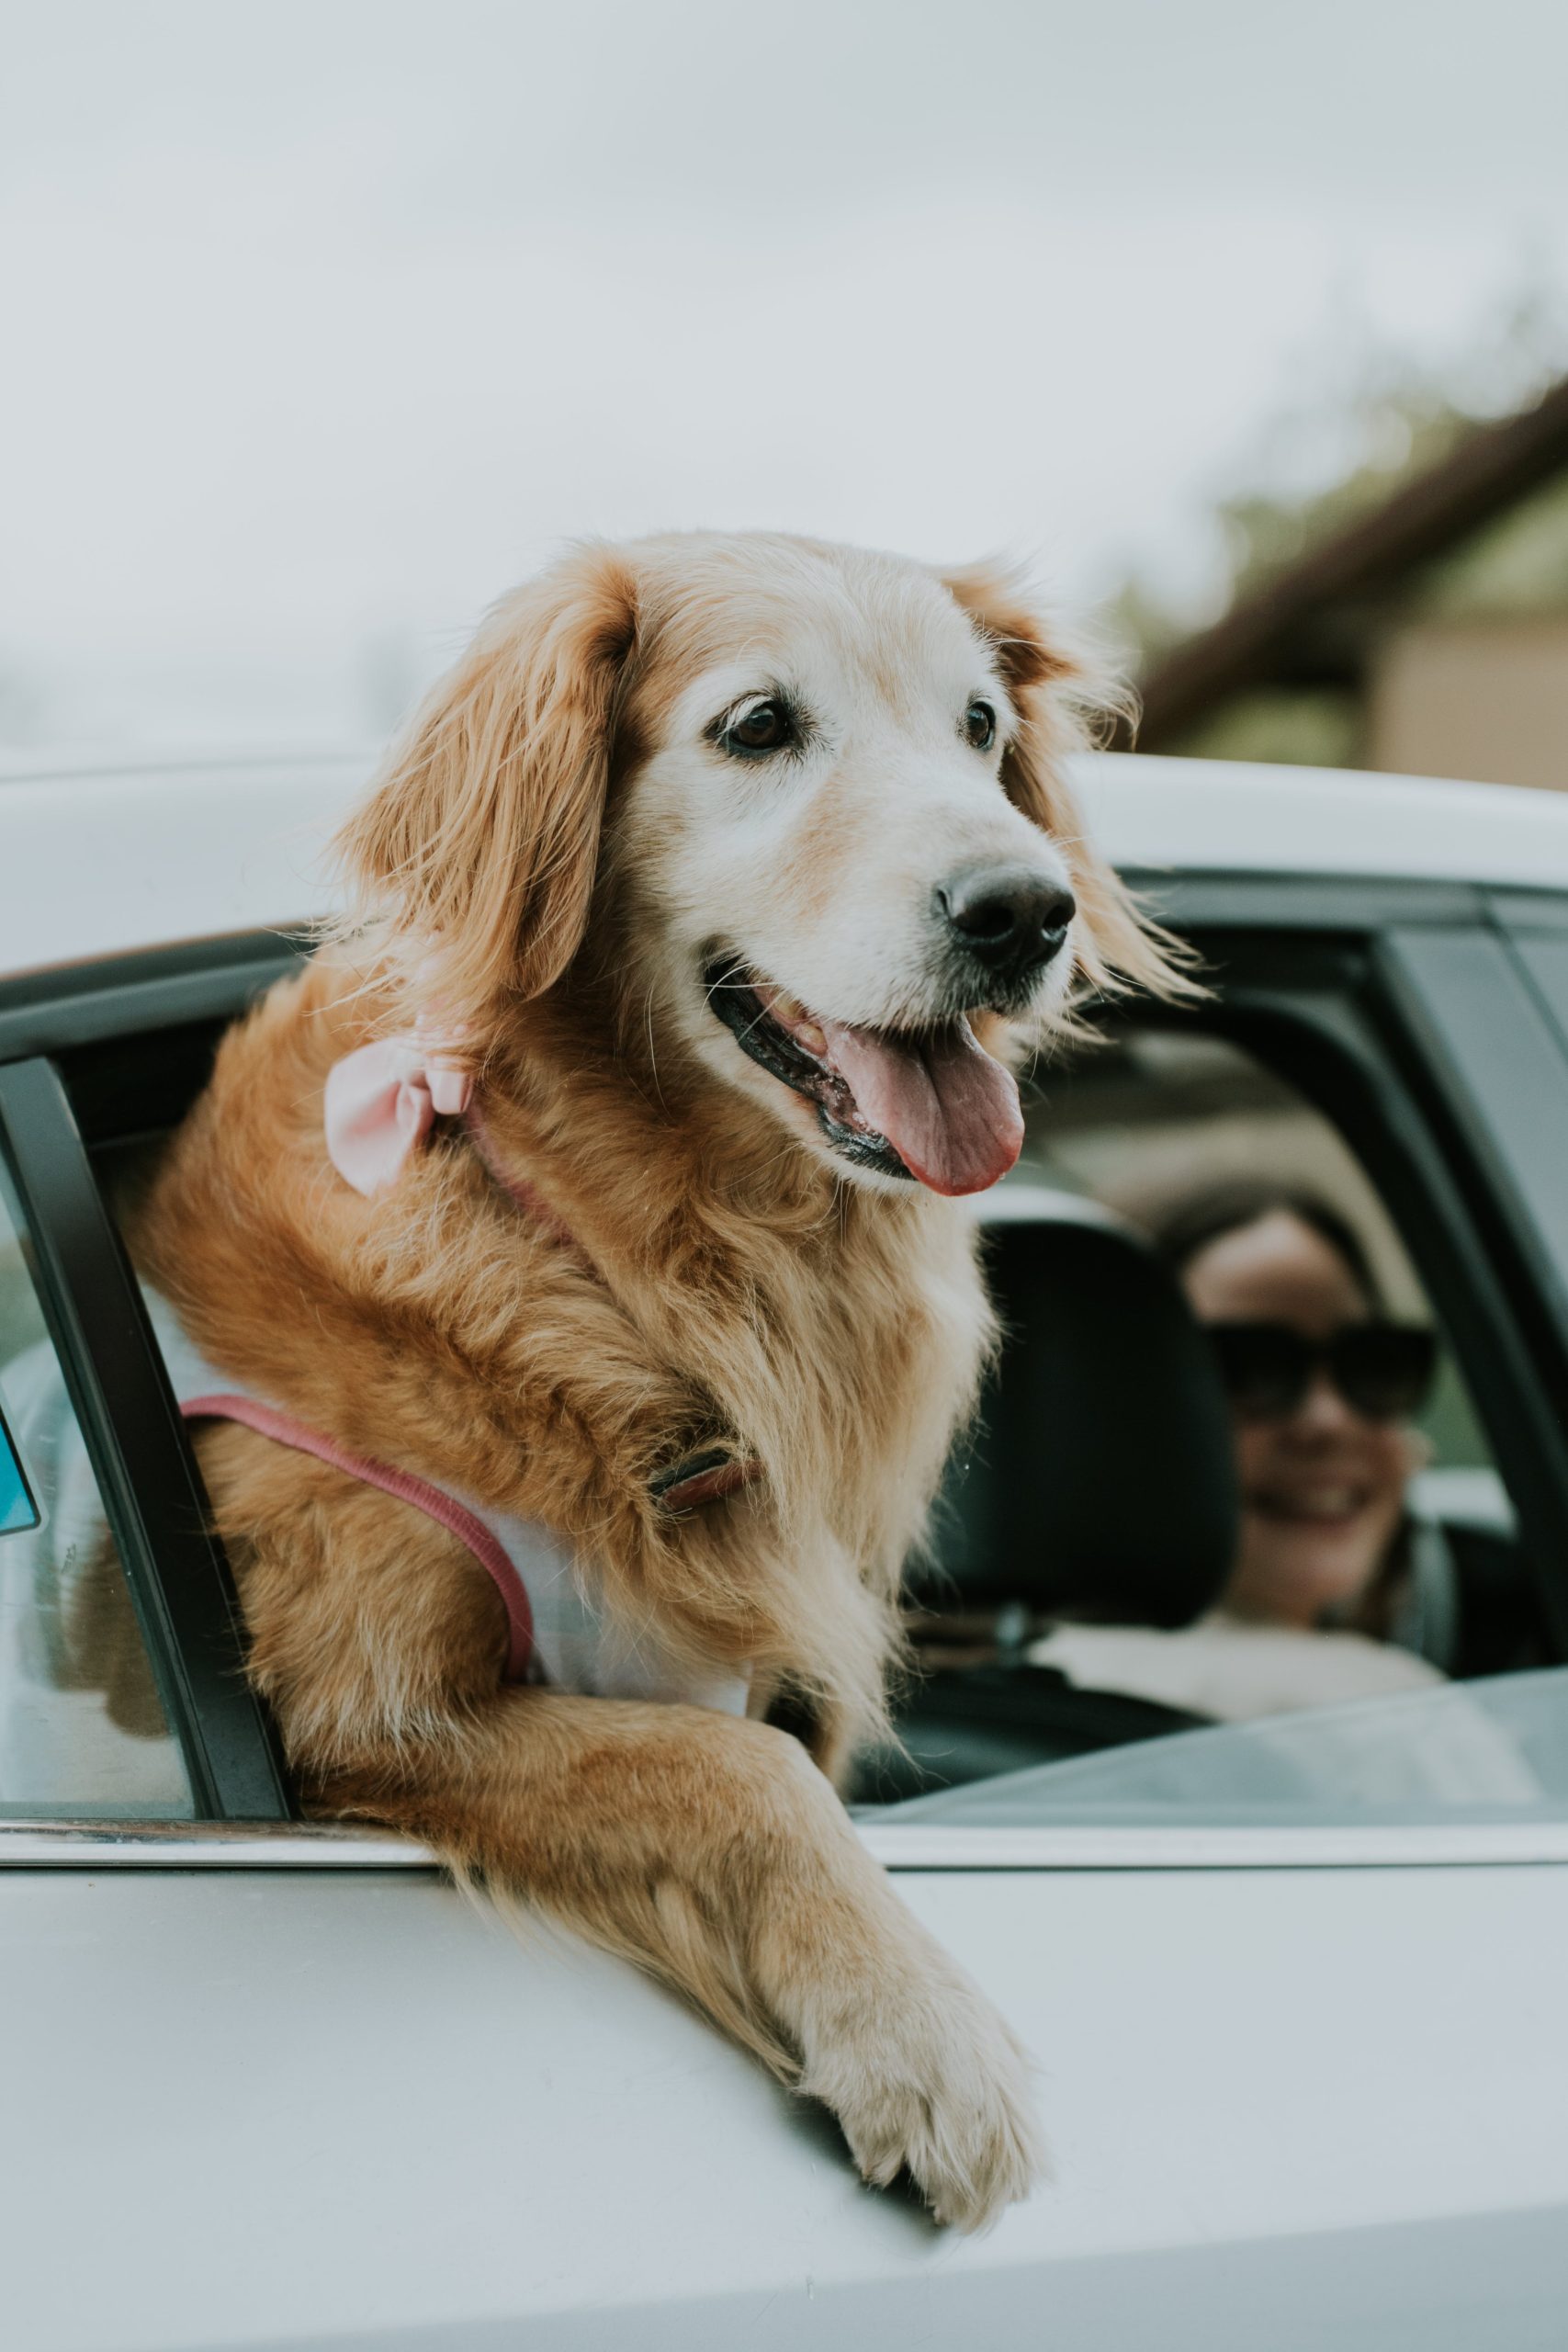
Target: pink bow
[(382, 1101)]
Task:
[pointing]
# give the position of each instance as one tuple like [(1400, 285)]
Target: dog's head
[(801, 806)]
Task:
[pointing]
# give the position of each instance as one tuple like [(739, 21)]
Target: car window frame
[(180, 1582), (1296, 962)]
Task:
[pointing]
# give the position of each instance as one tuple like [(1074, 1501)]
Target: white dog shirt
[(556, 1633)]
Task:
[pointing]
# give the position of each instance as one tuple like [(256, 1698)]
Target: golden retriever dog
[(717, 888)]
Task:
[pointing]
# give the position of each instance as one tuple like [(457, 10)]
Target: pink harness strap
[(444, 1509), (378, 1110)]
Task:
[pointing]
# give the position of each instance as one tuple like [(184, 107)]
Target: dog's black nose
[(1008, 918)]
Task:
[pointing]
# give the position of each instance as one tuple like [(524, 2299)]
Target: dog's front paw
[(929, 2080)]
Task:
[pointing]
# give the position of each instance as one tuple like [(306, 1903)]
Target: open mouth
[(1326, 1505), (927, 1104)]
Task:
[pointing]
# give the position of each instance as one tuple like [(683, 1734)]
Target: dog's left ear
[(474, 858), (1059, 699)]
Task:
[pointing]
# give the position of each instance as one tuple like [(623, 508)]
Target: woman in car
[(1323, 1388), (1338, 1591)]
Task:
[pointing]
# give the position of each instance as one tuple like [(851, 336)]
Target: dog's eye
[(766, 727), (980, 725)]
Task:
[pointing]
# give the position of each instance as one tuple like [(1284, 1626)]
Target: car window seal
[(899, 1846)]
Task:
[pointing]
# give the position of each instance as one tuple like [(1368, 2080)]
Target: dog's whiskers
[(732, 977)]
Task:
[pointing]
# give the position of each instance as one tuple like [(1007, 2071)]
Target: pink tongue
[(950, 1112)]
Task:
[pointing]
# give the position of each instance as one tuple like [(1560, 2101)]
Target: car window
[(82, 1733), (1158, 1651), (1004, 1684)]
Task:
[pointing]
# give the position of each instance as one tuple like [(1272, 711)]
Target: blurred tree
[(1379, 422)]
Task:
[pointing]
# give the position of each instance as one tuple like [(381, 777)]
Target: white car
[(1295, 1982)]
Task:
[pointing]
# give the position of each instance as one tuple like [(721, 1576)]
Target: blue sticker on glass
[(18, 1508)]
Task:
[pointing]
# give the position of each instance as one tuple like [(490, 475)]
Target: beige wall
[(1486, 699)]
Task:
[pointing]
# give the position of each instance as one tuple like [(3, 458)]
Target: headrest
[(1101, 1478)]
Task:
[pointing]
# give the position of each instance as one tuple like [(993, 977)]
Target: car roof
[(104, 857)]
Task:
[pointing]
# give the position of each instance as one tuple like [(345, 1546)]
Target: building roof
[(1276, 631)]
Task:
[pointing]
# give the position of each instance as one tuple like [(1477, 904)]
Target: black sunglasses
[(1383, 1371)]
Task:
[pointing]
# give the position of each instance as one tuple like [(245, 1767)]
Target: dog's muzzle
[(925, 1102)]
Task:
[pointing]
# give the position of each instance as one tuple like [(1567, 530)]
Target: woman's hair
[(1191, 1224)]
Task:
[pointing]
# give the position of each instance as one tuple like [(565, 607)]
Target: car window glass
[(1495, 1749), (82, 1733)]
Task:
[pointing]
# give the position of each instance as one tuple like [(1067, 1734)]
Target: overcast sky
[(320, 323)]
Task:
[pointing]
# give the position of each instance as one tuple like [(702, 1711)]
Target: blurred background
[(1245, 326)]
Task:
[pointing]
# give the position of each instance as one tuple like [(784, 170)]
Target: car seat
[(1099, 1483)]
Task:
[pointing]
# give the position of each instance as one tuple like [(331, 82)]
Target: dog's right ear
[(473, 860), (1058, 699)]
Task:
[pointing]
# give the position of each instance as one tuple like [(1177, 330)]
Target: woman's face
[(1322, 1488)]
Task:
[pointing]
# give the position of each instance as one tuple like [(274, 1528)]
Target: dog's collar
[(694, 1479), (382, 1104), (527, 1198), (382, 1101)]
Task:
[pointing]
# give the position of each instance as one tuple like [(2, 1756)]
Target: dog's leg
[(714, 1853), (709, 1849)]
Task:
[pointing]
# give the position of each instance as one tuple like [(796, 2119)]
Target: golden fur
[(520, 871)]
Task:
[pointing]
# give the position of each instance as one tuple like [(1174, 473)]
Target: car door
[(1303, 2078)]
